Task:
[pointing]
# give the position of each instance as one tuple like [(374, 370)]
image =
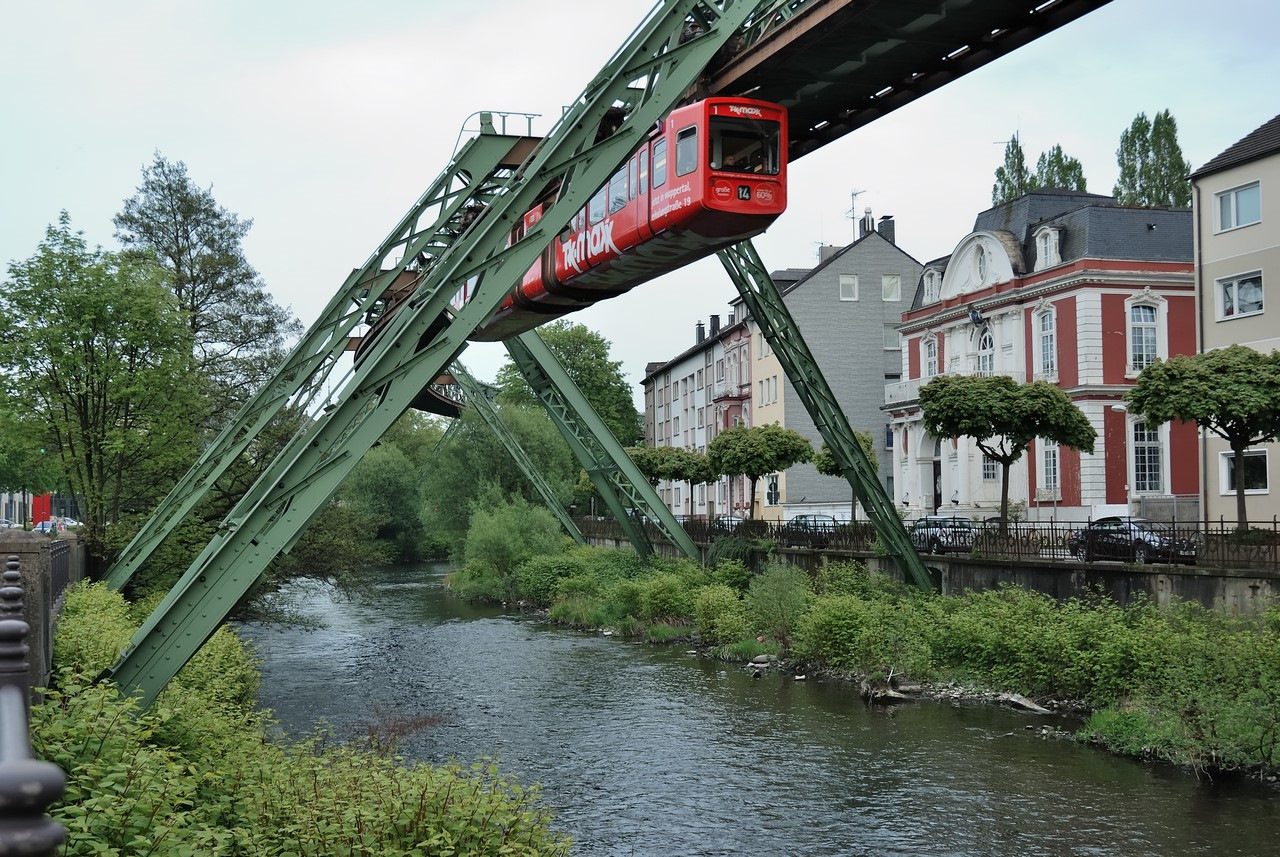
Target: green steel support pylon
[(616, 477), (476, 173), (646, 77), (478, 397), (765, 304)]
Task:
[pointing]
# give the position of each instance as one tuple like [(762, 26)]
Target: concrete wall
[(42, 590)]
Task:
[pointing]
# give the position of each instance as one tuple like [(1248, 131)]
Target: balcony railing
[(908, 391), (730, 390)]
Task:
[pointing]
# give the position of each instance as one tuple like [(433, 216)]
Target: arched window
[(986, 352), (1046, 352), (930, 357), (1142, 336)]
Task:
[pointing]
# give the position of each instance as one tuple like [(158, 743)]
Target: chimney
[(715, 325), (699, 334), (826, 251), (867, 223), (886, 228)]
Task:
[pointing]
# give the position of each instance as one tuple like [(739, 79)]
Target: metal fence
[(1214, 544), (27, 786)]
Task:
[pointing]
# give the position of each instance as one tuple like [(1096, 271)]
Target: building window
[(1239, 206), (891, 338), (1240, 295), (888, 437), (1047, 352), (848, 287), (1255, 472), (1147, 467), (980, 264), (932, 286), (930, 358), (990, 469), (1048, 253), (1049, 486), (1142, 336), (771, 493), (986, 352), (891, 287)]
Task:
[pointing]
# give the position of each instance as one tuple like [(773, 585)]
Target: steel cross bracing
[(646, 76), (478, 397), (765, 304), (624, 489), (478, 170)]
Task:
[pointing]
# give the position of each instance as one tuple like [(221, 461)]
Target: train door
[(640, 192)]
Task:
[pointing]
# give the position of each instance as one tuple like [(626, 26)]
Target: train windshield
[(745, 145)]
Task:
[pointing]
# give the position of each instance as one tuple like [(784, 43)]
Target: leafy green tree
[(1003, 417), (238, 333), (1057, 169), (1233, 392), (585, 357), (24, 466), (756, 451), (825, 462), (1012, 177), (1152, 169), (98, 353), (383, 488)]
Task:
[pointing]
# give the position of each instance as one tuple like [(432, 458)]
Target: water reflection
[(646, 750)]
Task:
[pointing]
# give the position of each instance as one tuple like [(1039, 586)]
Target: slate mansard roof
[(1257, 144)]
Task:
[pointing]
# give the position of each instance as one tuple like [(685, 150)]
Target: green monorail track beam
[(476, 173), (419, 340), (621, 485), (478, 397), (765, 304)]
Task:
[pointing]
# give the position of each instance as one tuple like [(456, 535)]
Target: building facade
[(1071, 288), (1236, 209)]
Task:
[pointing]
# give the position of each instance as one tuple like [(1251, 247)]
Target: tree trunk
[(1237, 466)]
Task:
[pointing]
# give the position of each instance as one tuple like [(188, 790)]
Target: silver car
[(940, 534)]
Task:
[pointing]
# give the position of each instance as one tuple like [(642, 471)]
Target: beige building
[(1236, 205)]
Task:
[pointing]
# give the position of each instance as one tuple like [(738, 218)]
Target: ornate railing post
[(27, 786)]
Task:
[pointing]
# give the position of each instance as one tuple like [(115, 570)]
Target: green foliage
[(1233, 392), (872, 637), (1012, 177), (733, 573), (539, 577), (719, 614), (197, 773), (777, 599), (733, 548), (584, 354), (501, 539), (1054, 169), (664, 598), (1152, 170)]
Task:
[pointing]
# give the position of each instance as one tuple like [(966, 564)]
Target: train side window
[(634, 167), (687, 151), (618, 190), (644, 169), (659, 163), (595, 208)]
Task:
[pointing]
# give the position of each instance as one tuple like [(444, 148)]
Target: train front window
[(745, 145), (686, 151)]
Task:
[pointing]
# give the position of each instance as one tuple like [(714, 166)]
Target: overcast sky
[(323, 121)]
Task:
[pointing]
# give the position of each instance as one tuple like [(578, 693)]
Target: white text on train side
[(588, 245), (745, 111)]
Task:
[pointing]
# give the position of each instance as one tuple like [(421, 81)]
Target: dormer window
[(932, 286), (1048, 247)]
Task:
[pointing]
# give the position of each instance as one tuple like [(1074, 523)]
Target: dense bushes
[(196, 774)]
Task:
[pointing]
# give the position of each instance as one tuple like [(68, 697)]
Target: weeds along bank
[(1183, 685), (197, 774)]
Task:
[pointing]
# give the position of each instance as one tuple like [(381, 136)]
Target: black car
[(1131, 539), (810, 531), (939, 534)]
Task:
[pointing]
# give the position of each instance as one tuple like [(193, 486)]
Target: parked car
[(46, 527), (811, 531), (5, 524), (1131, 539), (940, 534)]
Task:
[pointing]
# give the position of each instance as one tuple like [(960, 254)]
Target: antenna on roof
[(852, 213)]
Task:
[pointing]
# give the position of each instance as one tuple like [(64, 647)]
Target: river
[(651, 750)]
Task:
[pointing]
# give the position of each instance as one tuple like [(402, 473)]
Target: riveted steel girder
[(645, 77), (479, 169), (479, 398), (621, 485), (765, 304)]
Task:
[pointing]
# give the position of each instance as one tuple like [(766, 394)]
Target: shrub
[(776, 601), (846, 632), (664, 597), (732, 572), (538, 579), (719, 614)]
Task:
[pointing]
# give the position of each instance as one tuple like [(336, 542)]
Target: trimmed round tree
[(1003, 417), (1233, 392), (753, 452)]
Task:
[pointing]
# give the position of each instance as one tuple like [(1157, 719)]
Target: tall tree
[(1152, 169), (1233, 392), (238, 332), (1012, 177), (97, 351), (585, 357), (755, 451), (1003, 417), (1055, 168)]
